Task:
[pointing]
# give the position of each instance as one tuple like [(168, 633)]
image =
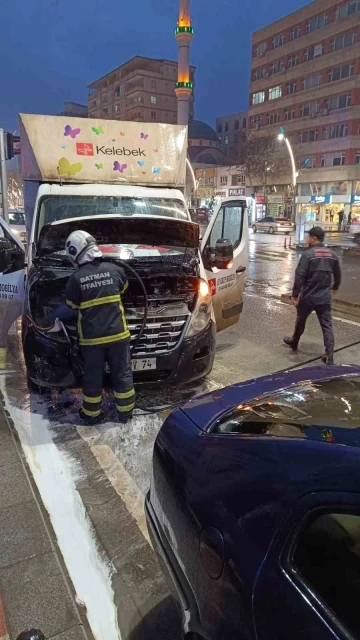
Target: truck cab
[(194, 288)]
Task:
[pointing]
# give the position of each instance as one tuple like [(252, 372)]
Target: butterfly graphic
[(99, 166), (119, 167), (69, 131), (122, 133), (67, 169), (63, 146), (113, 140), (156, 170), (156, 150), (144, 136), (144, 173), (141, 163), (97, 130)]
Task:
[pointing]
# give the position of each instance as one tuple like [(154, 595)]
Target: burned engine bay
[(171, 283)]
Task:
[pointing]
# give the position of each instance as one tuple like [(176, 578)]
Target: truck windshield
[(56, 208)]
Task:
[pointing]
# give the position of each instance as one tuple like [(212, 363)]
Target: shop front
[(328, 211)]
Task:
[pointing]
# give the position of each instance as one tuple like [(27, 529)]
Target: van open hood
[(108, 230)]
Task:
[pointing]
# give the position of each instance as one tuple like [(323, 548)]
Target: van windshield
[(56, 208)]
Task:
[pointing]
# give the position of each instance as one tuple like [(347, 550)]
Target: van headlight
[(201, 315)]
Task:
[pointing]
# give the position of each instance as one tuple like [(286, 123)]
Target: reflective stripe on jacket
[(95, 292)]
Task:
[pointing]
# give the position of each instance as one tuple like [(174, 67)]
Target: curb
[(349, 308)]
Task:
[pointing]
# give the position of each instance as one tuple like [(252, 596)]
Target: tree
[(266, 161)]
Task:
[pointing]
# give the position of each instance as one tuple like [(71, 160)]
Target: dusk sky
[(50, 50)]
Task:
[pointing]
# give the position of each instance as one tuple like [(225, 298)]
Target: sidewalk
[(35, 589)]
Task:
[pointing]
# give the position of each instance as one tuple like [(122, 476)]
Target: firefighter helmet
[(78, 243)]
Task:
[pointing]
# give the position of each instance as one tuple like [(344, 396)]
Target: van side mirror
[(6, 254), (224, 253)]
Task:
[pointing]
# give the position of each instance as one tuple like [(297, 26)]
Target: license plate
[(138, 364)]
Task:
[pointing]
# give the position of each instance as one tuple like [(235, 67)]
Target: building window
[(153, 115), (336, 131), (348, 9), (105, 111), (257, 98), (339, 102), (311, 81), (309, 110), (153, 84), (276, 67), (289, 114), (357, 157), (261, 49), (295, 33), (338, 73), (275, 92), (237, 125), (314, 52), (326, 557), (273, 118), (306, 163), (338, 160), (226, 140), (291, 87), (223, 180), (153, 99), (308, 136), (343, 41), (116, 108), (117, 92), (244, 123), (256, 122), (226, 127), (278, 41), (259, 74), (219, 128), (293, 60), (316, 23)]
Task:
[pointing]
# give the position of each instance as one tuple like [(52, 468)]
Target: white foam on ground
[(55, 478)]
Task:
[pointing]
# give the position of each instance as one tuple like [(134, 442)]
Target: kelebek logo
[(84, 149)]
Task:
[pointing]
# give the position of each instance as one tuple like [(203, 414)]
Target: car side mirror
[(224, 254), (6, 254)]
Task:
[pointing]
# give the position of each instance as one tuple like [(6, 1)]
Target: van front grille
[(162, 333)]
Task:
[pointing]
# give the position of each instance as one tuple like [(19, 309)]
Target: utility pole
[(3, 177)]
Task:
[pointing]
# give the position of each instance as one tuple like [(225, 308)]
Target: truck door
[(12, 279), (227, 285)]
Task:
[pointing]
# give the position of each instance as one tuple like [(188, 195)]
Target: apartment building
[(217, 183), (142, 90), (231, 130), (305, 78)]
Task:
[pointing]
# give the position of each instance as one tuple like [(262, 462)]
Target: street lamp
[(299, 226)]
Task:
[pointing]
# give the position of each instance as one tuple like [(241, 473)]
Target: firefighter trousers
[(323, 312), (117, 354)]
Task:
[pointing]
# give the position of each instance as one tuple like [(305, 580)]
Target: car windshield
[(56, 208), (16, 218), (299, 411)]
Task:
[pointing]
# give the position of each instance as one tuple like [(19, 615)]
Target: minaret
[(183, 88)]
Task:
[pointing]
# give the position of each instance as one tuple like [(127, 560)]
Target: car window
[(228, 224), (328, 410), (327, 556)]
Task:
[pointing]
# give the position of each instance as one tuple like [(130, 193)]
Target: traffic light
[(12, 146)]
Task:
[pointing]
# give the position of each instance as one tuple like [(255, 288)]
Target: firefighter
[(317, 279), (94, 293)]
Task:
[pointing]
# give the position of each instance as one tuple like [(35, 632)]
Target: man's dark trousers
[(323, 312), (117, 354)]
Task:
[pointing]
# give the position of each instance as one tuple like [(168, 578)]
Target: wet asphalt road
[(107, 469)]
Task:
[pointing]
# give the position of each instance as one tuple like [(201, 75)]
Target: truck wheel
[(254, 228)]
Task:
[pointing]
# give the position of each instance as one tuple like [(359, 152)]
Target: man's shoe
[(328, 359), (91, 421), (125, 417), (290, 343)]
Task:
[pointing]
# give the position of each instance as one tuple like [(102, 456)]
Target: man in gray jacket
[(317, 278)]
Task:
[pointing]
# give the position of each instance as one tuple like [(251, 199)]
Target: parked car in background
[(202, 215), (17, 224), (269, 224), (254, 508), (355, 229)]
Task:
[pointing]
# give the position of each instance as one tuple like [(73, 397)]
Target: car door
[(309, 584), (227, 285), (12, 281)]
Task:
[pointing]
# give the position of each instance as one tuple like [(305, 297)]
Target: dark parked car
[(254, 508), (202, 215)]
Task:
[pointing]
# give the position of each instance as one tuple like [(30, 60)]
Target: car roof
[(206, 409)]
